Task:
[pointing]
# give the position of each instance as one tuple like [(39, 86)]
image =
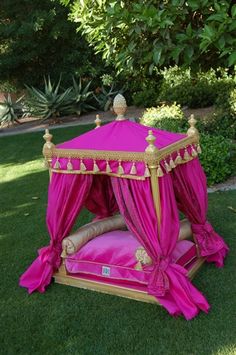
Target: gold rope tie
[(187, 157), (193, 151), (147, 171), (178, 159), (167, 166), (133, 170), (57, 164), (171, 162), (199, 149), (69, 165), (108, 168), (120, 170), (95, 167), (82, 165), (159, 171), (142, 258)]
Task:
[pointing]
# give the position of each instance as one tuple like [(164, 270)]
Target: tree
[(140, 36), (36, 39)]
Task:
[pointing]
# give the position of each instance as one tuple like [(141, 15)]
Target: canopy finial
[(151, 148), (119, 107), (192, 131), (48, 149), (97, 121)]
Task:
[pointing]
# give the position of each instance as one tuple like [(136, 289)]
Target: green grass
[(66, 320)]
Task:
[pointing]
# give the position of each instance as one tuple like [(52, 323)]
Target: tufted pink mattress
[(111, 257)]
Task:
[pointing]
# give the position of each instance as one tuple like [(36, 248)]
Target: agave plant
[(10, 111), (50, 102), (82, 97), (106, 95)]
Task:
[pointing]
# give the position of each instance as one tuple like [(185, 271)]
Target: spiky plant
[(10, 110), (50, 102), (82, 97), (106, 95)]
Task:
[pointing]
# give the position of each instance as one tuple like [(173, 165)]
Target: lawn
[(66, 320)]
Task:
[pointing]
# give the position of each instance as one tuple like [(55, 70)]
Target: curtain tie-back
[(50, 254), (159, 281), (208, 240)]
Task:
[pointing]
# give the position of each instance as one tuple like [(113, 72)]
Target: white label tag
[(105, 271)]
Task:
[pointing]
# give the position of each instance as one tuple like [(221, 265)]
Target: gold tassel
[(193, 152), (120, 170), (82, 165), (167, 166), (178, 159), (138, 266), (199, 149), (108, 168), (187, 157), (133, 170), (172, 163), (95, 166), (146, 172), (69, 165), (57, 164), (159, 171)]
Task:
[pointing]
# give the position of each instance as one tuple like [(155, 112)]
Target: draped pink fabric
[(66, 197), (101, 200), (168, 282), (191, 194)]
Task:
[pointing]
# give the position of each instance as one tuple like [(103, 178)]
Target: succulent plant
[(82, 97), (10, 110), (50, 102)]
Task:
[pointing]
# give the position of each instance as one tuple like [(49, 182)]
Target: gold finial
[(97, 121), (192, 131), (48, 137), (119, 107), (151, 148)]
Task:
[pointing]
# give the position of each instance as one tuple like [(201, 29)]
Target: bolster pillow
[(75, 241)]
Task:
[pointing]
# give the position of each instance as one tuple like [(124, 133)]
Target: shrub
[(81, 98), (216, 158), (167, 117), (218, 152)]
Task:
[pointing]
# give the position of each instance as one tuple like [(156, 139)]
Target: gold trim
[(153, 158)]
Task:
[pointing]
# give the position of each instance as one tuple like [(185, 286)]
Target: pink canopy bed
[(135, 180)]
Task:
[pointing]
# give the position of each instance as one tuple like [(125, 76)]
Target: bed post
[(151, 150), (48, 150)]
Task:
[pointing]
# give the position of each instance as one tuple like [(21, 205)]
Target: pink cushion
[(112, 256)]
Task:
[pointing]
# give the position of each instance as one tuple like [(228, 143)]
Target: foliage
[(167, 117), (36, 39), (217, 151), (195, 90), (7, 86), (50, 102), (138, 36), (216, 158), (10, 110), (106, 93), (81, 98), (145, 91)]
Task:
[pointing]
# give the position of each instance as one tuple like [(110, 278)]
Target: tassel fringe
[(82, 166), (95, 167), (178, 159), (172, 163), (133, 170), (159, 171), (193, 152), (57, 164), (146, 172), (69, 165), (187, 157), (108, 168), (120, 170), (199, 149), (167, 166)]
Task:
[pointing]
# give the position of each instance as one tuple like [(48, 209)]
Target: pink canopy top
[(121, 136)]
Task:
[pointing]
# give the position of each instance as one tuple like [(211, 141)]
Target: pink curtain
[(66, 197), (190, 189), (101, 200), (168, 282)]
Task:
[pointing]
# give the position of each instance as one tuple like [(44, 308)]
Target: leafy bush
[(167, 117), (50, 102), (10, 111), (217, 151), (216, 158), (194, 90)]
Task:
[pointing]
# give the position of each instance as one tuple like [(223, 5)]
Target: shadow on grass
[(67, 320)]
